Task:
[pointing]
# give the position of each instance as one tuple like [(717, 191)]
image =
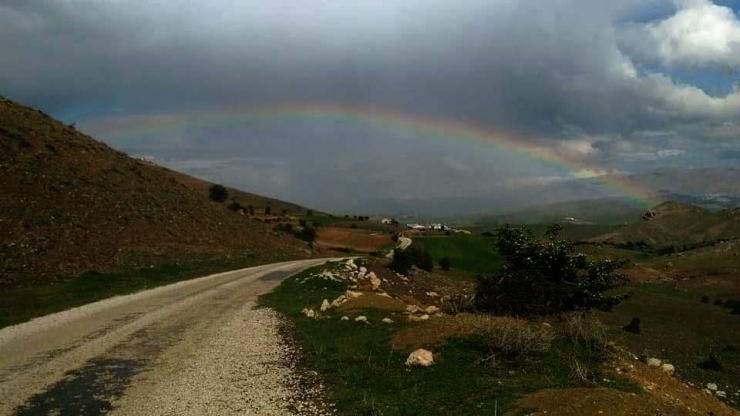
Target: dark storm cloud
[(568, 75)]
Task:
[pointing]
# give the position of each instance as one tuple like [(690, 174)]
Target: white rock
[(668, 368), (433, 294), (424, 317), (309, 313), (351, 295), (387, 320), (374, 280), (361, 318), (338, 301), (345, 318), (431, 310), (412, 309), (385, 295), (721, 393), (653, 362), (712, 386), (420, 357), (363, 269), (325, 305)]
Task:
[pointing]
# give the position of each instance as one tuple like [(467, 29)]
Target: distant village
[(422, 227)]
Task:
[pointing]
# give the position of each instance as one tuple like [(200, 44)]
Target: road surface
[(193, 347)]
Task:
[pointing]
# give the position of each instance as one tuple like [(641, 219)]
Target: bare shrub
[(514, 339), (586, 330), (456, 304)]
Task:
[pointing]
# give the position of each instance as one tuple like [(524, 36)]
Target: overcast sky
[(608, 86)]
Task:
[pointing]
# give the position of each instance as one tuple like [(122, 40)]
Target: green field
[(473, 253)]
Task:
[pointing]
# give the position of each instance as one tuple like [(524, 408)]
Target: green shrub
[(546, 277), (235, 206), (218, 193), (403, 260), (444, 263)]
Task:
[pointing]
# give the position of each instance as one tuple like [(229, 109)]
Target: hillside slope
[(71, 204), (678, 225)]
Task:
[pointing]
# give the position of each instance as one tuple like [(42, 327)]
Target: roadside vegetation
[(483, 370)]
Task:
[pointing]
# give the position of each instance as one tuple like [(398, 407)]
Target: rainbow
[(434, 128)]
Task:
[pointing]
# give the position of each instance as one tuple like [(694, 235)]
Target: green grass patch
[(22, 304), (472, 253), (365, 374)]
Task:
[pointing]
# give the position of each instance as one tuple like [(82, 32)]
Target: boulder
[(433, 294), (309, 313), (653, 362), (721, 393), (325, 305), (387, 320), (420, 357), (668, 368), (712, 386), (361, 318), (345, 318)]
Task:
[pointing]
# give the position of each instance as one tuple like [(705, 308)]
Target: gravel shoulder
[(194, 347)]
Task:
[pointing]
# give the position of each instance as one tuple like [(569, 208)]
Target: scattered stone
[(433, 294), (721, 393), (361, 318), (351, 295), (325, 305), (387, 320), (424, 317), (412, 309), (345, 318), (420, 357), (431, 310), (385, 295), (712, 386), (653, 362), (338, 301), (309, 313), (363, 269), (668, 368)]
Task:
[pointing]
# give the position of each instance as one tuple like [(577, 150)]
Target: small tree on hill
[(546, 277), (268, 210), (218, 193)]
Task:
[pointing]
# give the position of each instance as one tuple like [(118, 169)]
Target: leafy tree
[(309, 212), (546, 277), (218, 193), (235, 206), (268, 210)]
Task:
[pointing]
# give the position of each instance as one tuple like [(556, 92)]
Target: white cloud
[(699, 34)]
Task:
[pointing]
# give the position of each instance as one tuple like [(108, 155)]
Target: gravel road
[(191, 348)]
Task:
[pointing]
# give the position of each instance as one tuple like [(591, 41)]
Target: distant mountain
[(595, 211), (71, 204), (678, 225)]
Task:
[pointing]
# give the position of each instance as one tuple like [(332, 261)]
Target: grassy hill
[(677, 225), (71, 204)]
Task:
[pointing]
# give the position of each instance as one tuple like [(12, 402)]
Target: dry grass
[(512, 338)]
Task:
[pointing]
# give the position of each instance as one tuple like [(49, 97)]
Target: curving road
[(193, 347)]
